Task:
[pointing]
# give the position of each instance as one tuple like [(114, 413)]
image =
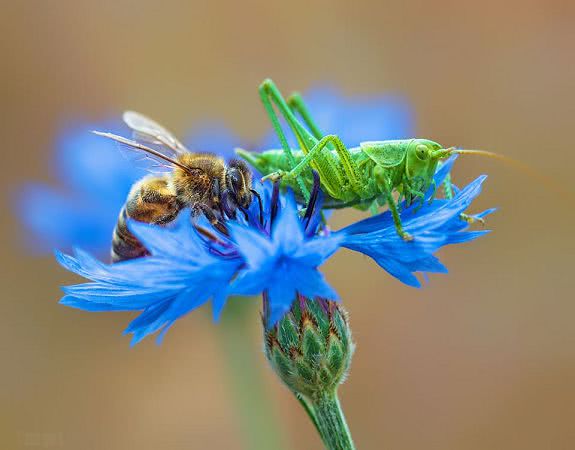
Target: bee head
[(239, 183)]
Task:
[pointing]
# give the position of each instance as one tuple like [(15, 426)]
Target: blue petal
[(281, 297), (85, 305), (255, 248), (179, 238), (288, 230), (317, 250), (311, 284)]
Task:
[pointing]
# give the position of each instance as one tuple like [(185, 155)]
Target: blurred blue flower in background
[(96, 177)]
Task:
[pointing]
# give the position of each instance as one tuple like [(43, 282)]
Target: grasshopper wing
[(385, 153)]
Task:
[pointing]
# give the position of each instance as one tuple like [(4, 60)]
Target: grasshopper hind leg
[(270, 95), (298, 106)]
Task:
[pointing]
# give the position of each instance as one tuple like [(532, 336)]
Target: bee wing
[(148, 130), (149, 153)]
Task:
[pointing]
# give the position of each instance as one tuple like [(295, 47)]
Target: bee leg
[(216, 196), (154, 203), (209, 213), (228, 205), (151, 196), (260, 204)]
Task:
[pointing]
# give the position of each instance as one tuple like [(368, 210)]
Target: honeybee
[(199, 181)]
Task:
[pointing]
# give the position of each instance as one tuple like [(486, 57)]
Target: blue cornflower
[(96, 177), (274, 251), (283, 263)]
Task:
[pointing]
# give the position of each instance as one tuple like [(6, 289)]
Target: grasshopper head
[(421, 162)]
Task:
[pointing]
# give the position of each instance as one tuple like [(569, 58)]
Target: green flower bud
[(310, 348)]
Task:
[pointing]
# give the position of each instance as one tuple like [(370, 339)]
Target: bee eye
[(421, 152), (236, 179)]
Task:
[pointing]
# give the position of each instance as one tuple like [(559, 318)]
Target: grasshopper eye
[(421, 152)]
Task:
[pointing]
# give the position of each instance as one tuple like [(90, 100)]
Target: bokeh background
[(481, 358)]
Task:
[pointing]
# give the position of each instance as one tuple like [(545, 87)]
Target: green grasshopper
[(363, 177)]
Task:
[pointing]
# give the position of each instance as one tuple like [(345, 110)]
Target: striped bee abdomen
[(151, 200)]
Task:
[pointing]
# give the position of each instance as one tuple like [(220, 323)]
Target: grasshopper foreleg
[(381, 179), (448, 189)]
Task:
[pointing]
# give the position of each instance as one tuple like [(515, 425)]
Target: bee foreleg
[(217, 196), (228, 204), (210, 215)]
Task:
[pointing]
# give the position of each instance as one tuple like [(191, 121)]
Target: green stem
[(331, 422), (257, 419), (310, 412)]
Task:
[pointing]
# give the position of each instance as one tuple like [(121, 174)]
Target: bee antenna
[(150, 151), (257, 195)]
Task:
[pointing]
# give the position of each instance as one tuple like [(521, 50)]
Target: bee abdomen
[(150, 201), (124, 244)]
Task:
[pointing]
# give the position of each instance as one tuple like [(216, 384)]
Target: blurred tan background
[(481, 358)]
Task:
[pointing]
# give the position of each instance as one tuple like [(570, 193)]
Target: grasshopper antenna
[(549, 182)]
